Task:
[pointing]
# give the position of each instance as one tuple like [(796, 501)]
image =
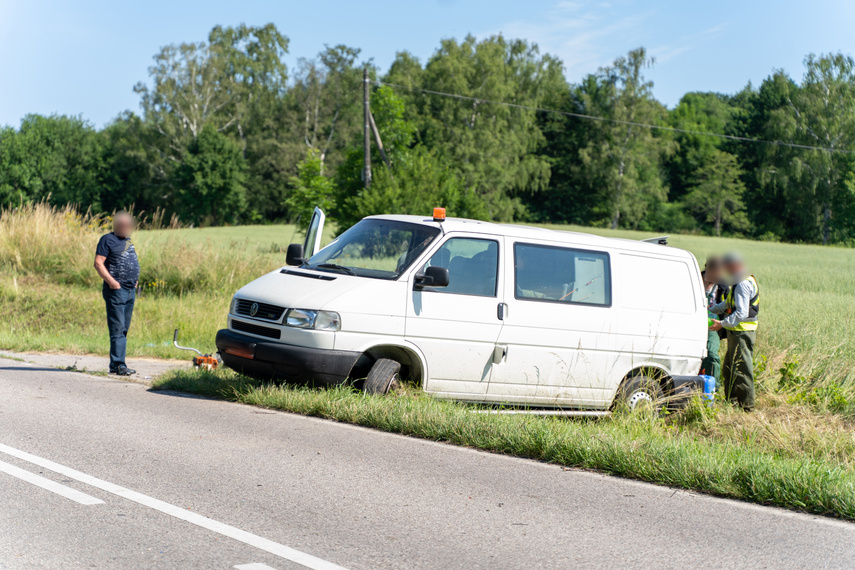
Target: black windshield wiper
[(336, 267)]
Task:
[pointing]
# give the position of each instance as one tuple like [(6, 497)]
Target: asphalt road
[(100, 473)]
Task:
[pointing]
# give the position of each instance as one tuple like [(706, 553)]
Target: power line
[(615, 121)]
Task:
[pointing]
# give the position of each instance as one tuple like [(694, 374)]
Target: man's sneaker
[(124, 371)]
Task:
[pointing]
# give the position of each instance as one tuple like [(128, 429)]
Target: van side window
[(472, 264), (562, 275)]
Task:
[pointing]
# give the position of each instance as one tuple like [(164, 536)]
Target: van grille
[(264, 311), (256, 329)]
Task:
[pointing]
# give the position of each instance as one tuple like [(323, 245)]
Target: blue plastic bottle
[(709, 390)]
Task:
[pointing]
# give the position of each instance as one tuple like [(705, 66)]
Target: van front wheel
[(641, 392), (383, 377)]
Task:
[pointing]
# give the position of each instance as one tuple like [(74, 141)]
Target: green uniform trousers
[(738, 369), (711, 365)]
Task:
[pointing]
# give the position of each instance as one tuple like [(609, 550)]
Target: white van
[(477, 312)]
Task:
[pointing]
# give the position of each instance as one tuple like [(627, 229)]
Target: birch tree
[(621, 153), (818, 113), (211, 83), (327, 99)]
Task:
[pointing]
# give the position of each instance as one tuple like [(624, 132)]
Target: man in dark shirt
[(117, 264)]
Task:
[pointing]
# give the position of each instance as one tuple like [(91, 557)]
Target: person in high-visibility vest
[(740, 307)]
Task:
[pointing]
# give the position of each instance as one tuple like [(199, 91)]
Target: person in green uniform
[(739, 307), (712, 276)]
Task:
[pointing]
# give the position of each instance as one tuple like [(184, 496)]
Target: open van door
[(313, 235)]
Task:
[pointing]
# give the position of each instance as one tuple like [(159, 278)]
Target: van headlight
[(309, 319), (233, 309)]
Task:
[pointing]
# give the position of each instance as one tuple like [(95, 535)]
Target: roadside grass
[(721, 451), (58, 244), (42, 317)]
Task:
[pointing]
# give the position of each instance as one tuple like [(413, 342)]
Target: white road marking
[(254, 566), (254, 540), (49, 485)]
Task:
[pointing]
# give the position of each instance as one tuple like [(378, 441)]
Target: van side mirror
[(294, 254), (432, 277)]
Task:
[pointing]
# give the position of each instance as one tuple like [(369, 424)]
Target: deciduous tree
[(493, 147), (819, 113), (622, 154), (309, 189), (210, 180), (57, 157), (716, 196)]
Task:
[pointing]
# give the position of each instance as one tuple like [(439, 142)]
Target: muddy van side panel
[(557, 336)]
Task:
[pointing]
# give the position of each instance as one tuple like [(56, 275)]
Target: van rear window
[(657, 284), (562, 275)]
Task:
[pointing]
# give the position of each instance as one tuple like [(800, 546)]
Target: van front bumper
[(277, 361)]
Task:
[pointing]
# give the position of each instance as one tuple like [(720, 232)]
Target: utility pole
[(366, 129), (379, 142)]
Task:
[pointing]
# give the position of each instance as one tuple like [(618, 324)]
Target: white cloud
[(580, 33), (589, 35), (665, 53)]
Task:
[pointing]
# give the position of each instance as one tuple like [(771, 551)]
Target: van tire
[(641, 391), (383, 377)]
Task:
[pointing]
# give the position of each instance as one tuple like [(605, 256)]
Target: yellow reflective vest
[(750, 322)]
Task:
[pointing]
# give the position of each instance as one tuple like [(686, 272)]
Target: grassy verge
[(37, 315), (699, 449)]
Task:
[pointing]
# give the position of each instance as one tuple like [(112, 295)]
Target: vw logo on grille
[(253, 310)]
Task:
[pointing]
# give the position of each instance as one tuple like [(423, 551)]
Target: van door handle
[(502, 311), (500, 351)]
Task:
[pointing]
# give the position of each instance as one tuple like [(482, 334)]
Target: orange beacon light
[(439, 214)]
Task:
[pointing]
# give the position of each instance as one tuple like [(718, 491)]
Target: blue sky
[(84, 57)]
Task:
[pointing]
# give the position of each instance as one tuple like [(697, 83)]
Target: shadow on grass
[(185, 395)]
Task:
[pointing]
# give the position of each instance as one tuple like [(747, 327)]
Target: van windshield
[(380, 249)]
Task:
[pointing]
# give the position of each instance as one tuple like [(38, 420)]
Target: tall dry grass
[(52, 241), (58, 243), (50, 294)]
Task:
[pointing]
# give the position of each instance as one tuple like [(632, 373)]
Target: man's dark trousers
[(737, 374), (120, 309)]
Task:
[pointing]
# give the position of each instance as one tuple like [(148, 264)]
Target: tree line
[(490, 129)]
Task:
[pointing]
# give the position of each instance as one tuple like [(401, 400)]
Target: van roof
[(537, 233)]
